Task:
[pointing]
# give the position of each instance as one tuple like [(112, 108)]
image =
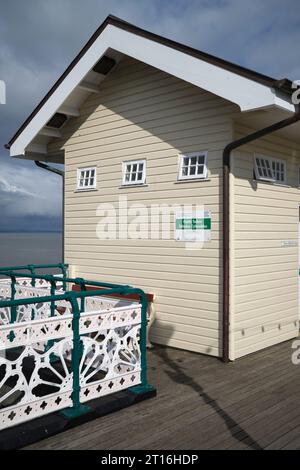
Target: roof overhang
[(115, 38)]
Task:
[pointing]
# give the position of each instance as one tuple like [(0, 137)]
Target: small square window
[(192, 166), (86, 178), (270, 169), (134, 172)]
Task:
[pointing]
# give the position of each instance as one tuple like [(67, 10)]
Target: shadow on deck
[(203, 404)]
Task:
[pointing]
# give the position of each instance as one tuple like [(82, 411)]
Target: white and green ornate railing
[(60, 349)]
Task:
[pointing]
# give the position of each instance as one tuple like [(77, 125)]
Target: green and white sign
[(193, 227)]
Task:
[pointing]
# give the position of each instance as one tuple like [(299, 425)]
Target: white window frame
[(182, 177), (134, 162), (90, 186), (271, 160)]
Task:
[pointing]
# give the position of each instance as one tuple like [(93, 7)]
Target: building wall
[(142, 112), (264, 274)]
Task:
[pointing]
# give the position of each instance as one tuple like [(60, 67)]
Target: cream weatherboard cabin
[(138, 117)]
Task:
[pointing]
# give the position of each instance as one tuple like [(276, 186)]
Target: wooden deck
[(253, 403)]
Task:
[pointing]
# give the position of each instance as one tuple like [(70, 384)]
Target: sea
[(18, 249)]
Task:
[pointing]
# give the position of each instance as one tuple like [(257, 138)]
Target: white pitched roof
[(246, 88)]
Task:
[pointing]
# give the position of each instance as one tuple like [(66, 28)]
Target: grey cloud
[(39, 38)]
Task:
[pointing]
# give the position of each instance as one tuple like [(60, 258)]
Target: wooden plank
[(203, 404)]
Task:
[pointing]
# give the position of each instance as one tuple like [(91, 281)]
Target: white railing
[(36, 375)]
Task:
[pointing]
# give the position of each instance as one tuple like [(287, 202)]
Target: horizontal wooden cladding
[(259, 243), (242, 301), (154, 98), (135, 247), (148, 197), (268, 196), (211, 326), (263, 327), (110, 172), (265, 236), (188, 261), (189, 282), (187, 312), (266, 272), (129, 106), (261, 227), (273, 336), (285, 284), (159, 120), (144, 113), (131, 130), (273, 143), (88, 220), (252, 281), (264, 314), (203, 332), (140, 120), (161, 337), (184, 331), (267, 301), (160, 288), (162, 162), (87, 207), (246, 260), (93, 153), (161, 180), (147, 271), (266, 219)]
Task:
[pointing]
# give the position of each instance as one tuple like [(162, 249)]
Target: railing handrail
[(70, 295), (107, 289), (34, 266), (53, 277)]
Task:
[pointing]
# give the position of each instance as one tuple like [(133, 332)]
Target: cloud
[(7, 187), (29, 192), (39, 38)]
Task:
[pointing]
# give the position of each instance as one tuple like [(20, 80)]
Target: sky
[(39, 38)]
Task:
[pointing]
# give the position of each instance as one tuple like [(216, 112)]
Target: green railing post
[(144, 387), (51, 342), (77, 409), (64, 274), (13, 308), (82, 284), (143, 339), (32, 271)]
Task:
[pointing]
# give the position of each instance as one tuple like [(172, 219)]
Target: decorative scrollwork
[(36, 375)]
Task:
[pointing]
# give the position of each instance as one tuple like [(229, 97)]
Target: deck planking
[(203, 404)]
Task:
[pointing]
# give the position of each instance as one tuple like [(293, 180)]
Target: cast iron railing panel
[(61, 349)]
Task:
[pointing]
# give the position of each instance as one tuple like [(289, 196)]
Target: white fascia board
[(247, 94), (56, 100)]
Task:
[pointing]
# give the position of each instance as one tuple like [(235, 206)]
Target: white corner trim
[(246, 93)]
